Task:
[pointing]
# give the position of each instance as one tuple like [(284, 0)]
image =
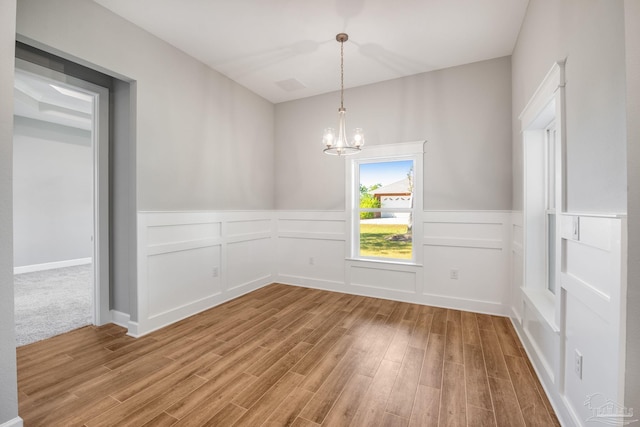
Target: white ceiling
[(38, 98), (259, 43)]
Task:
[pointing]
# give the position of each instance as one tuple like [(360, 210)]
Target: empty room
[(323, 213)]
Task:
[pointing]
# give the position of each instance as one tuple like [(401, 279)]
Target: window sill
[(544, 303), (384, 262)]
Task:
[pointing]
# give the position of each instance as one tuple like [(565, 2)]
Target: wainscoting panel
[(247, 227), (312, 225), (583, 320), (181, 277), (544, 340), (248, 262), (385, 280), (516, 265), (475, 284), (191, 261), (312, 248), (161, 234), (594, 289), (466, 257)]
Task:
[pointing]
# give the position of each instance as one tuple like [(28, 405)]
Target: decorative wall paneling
[(585, 318), (191, 261), (516, 264), (594, 312), (476, 244), (311, 248), (312, 252)]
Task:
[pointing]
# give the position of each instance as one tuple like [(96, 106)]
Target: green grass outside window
[(374, 241)]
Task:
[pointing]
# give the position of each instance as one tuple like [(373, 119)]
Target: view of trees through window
[(386, 204)]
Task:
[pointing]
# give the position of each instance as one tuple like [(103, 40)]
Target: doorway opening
[(61, 203)]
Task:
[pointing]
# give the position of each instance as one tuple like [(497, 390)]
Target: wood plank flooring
[(288, 356)]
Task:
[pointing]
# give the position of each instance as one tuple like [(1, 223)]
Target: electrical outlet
[(577, 367), (312, 261), (453, 274), (215, 272)]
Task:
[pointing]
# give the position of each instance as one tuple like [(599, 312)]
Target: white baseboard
[(162, 320), (133, 329), (558, 403), (456, 303), (485, 307), (51, 266), (16, 422), (120, 318), (310, 282)]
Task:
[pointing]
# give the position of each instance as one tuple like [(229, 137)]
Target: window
[(385, 189), (550, 211), (542, 123), (385, 210), (542, 205)]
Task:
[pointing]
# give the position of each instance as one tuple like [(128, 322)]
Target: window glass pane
[(386, 237), (387, 189), (551, 251), (551, 168), (386, 178)]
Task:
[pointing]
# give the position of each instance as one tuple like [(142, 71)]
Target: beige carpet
[(52, 302)]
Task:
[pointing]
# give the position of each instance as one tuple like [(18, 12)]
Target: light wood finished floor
[(285, 355)]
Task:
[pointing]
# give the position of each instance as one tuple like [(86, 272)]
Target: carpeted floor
[(52, 302)]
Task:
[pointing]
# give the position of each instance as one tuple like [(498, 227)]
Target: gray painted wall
[(52, 192), (123, 201), (203, 141), (632, 39), (8, 378), (590, 34), (463, 112)]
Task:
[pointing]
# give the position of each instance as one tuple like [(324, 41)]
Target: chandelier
[(339, 145)]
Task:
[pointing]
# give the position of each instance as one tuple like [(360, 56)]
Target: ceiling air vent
[(291, 85)]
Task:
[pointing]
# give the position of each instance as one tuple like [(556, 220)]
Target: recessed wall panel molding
[(385, 281), (592, 279), (472, 245), (247, 227), (311, 249), (313, 225), (516, 265), (165, 234), (249, 261), (575, 338), (191, 261), (181, 277), (544, 341), (466, 258)]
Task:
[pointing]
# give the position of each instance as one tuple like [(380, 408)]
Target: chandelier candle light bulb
[(340, 145)]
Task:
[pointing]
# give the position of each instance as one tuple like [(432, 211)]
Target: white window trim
[(545, 106), (387, 152)]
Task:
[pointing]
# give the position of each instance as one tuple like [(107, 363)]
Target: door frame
[(100, 146)]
